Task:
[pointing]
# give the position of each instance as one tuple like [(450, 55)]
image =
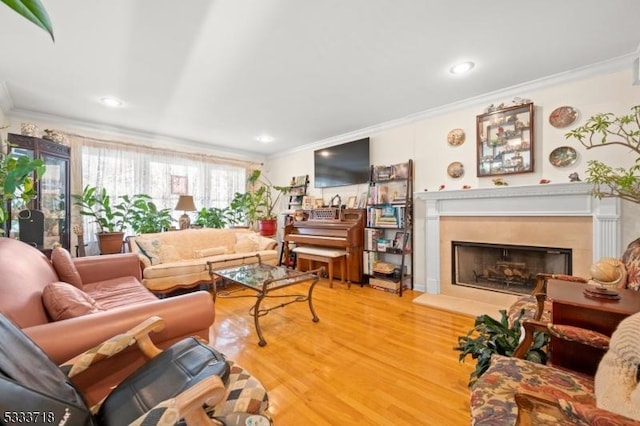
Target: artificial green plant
[(607, 129)]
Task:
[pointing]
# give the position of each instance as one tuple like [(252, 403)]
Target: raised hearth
[(552, 215)]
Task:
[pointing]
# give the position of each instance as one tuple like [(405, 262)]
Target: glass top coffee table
[(261, 279)]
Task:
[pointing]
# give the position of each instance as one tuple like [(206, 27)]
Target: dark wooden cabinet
[(53, 189), (572, 307)]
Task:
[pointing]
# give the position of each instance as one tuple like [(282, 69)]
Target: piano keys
[(346, 232)]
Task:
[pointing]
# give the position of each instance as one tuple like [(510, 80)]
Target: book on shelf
[(386, 216)]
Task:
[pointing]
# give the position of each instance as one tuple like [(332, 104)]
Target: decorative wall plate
[(563, 116), (455, 169), (456, 137), (563, 156)]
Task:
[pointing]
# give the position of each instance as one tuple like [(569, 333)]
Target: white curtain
[(124, 169)]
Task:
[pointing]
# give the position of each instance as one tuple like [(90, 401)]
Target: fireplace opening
[(505, 268)]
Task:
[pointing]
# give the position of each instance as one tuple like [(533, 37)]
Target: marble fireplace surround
[(552, 215)]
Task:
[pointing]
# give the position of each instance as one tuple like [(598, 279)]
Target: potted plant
[(212, 217), (490, 336), (110, 218), (606, 129), (263, 201), (17, 179), (144, 216)]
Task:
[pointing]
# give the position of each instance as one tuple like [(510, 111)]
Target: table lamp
[(186, 204)]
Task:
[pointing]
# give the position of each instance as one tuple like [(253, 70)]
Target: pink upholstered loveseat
[(27, 278)]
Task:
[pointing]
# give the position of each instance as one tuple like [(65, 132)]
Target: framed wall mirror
[(505, 141)]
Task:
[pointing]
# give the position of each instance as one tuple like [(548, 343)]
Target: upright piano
[(346, 231)]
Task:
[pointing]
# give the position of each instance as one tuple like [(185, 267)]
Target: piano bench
[(324, 255)]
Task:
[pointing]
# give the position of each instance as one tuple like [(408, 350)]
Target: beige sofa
[(177, 259)]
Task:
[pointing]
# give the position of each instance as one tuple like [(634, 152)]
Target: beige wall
[(563, 232), (425, 141)]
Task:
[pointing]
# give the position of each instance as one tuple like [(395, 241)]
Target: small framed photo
[(179, 185), (308, 202), (362, 202), (351, 202), (318, 203)]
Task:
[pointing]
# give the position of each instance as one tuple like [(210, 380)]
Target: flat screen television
[(340, 165)]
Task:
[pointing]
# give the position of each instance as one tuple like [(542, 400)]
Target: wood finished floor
[(374, 358)]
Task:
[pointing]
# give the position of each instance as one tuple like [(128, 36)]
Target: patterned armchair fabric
[(515, 391)]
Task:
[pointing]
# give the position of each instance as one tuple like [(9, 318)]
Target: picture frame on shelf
[(308, 202), (351, 202), (505, 141), (362, 201), (318, 203)]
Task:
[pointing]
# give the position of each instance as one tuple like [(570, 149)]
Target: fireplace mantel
[(564, 199)]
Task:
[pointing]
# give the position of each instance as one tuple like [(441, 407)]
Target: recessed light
[(265, 139), (461, 68), (111, 101)]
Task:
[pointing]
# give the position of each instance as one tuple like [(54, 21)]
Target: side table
[(572, 307)]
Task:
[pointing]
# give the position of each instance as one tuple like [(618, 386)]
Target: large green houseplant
[(18, 175), (262, 202), (144, 216), (607, 129), (212, 217), (490, 336)]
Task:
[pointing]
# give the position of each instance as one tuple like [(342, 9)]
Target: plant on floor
[(606, 129), (18, 175), (490, 336)]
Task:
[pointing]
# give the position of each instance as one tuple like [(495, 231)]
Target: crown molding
[(135, 136), (600, 68)]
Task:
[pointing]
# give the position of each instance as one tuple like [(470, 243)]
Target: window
[(127, 170)]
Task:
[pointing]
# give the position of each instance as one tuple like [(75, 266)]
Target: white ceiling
[(223, 72)]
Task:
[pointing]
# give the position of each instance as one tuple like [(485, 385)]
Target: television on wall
[(340, 165)]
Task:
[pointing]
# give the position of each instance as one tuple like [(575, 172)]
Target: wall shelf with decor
[(388, 235), (505, 141), (297, 191)]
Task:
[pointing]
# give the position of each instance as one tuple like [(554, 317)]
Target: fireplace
[(505, 268), (554, 215)]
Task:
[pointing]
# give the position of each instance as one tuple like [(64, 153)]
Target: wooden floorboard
[(374, 358)]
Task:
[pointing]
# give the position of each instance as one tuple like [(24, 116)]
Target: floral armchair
[(516, 391)]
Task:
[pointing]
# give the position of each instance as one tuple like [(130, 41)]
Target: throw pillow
[(168, 254), (245, 243), (65, 268), (265, 243), (150, 248), (63, 301), (211, 251)]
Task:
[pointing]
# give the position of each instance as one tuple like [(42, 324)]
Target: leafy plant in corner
[(98, 205), (265, 196), (17, 179), (490, 336), (607, 129)]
